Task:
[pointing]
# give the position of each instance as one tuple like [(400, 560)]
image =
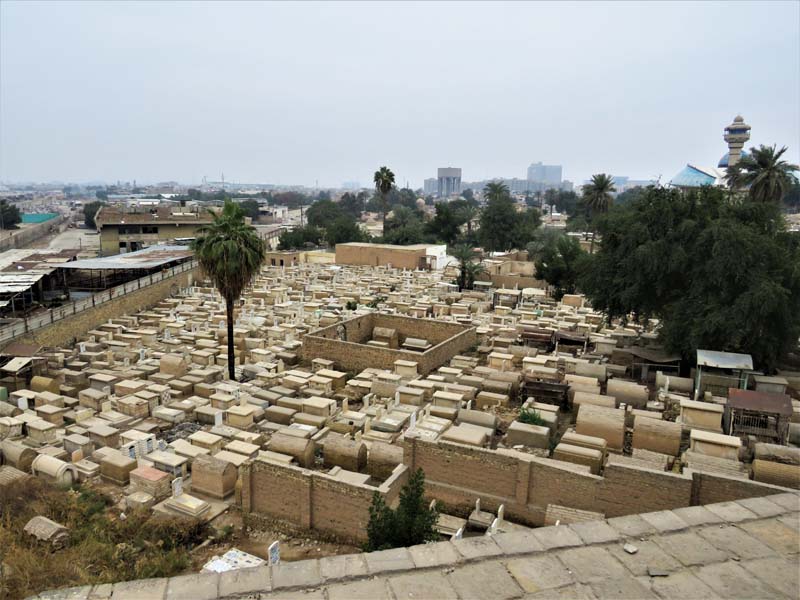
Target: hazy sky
[(293, 93)]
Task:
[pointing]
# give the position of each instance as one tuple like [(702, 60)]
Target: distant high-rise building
[(547, 175), (351, 185), (449, 182), (430, 186)]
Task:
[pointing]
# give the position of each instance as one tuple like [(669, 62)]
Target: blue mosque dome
[(723, 162)]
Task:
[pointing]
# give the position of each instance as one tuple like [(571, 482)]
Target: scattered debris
[(630, 548)]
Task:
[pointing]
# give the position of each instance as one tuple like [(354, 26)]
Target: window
[(272, 261), (150, 229)]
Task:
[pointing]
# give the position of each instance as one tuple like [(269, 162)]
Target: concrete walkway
[(744, 549)]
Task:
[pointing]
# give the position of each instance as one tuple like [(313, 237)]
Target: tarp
[(724, 360)]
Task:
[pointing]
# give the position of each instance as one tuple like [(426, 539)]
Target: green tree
[(344, 229), (101, 195), (250, 208), (90, 212), (558, 263), (764, 174), (446, 223), (322, 213), (525, 227), (717, 274), (403, 227), (629, 195), (468, 195), (468, 268), (9, 215), (412, 523), (300, 237), (231, 253), (353, 204), (384, 182), (597, 197), (498, 218), (467, 211)]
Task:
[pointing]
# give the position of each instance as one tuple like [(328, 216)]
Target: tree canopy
[(765, 176), (503, 227), (90, 212), (719, 274), (558, 258), (230, 252), (10, 216), (412, 522)]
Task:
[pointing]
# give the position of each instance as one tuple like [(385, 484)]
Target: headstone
[(218, 419), (22, 403), (345, 405), (167, 334), (493, 527), (165, 397), (162, 445), (501, 512), (413, 424), (357, 437), (105, 406), (126, 362), (177, 487), (141, 353), (458, 534), (76, 456), (82, 347), (274, 552)]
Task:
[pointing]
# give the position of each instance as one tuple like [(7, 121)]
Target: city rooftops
[(113, 215)]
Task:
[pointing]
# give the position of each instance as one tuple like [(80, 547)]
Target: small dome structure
[(723, 162)]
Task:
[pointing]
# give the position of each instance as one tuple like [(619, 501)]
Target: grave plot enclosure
[(365, 341)]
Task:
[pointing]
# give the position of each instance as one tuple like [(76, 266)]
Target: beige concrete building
[(416, 256), (125, 229)]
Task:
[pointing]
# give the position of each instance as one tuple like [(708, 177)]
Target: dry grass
[(103, 547)]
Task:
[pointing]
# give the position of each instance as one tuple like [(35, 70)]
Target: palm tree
[(384, 182), (468, 213), (766, 176), (231, 253), (468, 270), (597, 197), (495, 190)]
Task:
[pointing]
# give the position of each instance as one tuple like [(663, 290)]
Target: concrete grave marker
[(82, 347), (105, 406), (22, 403), (218, 419), (177, 487)]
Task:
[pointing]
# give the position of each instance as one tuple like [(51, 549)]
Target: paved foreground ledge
[(744, 549)]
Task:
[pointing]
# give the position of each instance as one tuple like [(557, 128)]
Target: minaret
[(736, 134)]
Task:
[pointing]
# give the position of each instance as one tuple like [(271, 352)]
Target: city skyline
[(285, 93)]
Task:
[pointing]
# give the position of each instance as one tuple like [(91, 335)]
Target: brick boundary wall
[(301, 499), (62, 331), (458, 474)]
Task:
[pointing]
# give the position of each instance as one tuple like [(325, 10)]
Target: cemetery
[(522, 412)]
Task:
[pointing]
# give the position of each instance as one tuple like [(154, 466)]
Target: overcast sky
[(295, 93)]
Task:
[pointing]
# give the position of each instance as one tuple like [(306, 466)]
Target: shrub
[(412, 522), (531, 417)]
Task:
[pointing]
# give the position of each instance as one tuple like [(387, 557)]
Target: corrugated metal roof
[(149, 258), (724, 360), (761, 401)]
